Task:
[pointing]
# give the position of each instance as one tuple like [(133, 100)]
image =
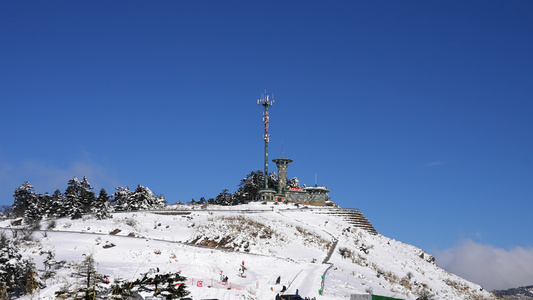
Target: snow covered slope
[(311, 250)]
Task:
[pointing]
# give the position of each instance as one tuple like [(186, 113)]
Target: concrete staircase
[(354, 217)]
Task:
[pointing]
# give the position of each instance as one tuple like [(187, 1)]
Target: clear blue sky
[(419, 113)]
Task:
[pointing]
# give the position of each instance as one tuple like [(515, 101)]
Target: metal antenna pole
[(265, 102)]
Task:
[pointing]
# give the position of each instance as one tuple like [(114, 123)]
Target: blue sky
[(419, 113)]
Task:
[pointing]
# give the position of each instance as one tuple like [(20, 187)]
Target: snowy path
[(312, 279), (308, 281)]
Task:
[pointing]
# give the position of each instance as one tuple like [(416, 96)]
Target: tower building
[(282, 164), (317, 195)]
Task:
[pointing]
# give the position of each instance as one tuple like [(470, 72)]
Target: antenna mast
[(266, 102)]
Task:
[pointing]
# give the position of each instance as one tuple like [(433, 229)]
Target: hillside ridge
[(314, 251), (519, 293)]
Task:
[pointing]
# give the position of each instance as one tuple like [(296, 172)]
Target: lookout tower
[(282, 164)]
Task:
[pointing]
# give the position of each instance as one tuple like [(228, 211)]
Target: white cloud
[(434, 164), (491, 267), (46, 177), (49, 176)]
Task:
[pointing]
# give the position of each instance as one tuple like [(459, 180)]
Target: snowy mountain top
[(311, 251)]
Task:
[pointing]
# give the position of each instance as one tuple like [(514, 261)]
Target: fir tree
[(90, 287), (293, 183), (24, 196), (102, 206), (250, 186), (144, 199), (122, 199), (160, 202), (17, 274), (273, 181), (46, 205), (169, 285), (57, 205), (73, 204), (224, 198), (50, 263), (34, 209), (86, 196)]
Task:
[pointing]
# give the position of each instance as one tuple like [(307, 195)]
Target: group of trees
[(79, 199), (248, 190), (18, 275), (93, 285)]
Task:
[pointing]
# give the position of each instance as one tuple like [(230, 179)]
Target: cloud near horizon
[(491, 267), (48, 177)]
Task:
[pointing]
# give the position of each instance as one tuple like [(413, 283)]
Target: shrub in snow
[(50, 264), (425, 295), (131, 222), (364, 248), (25, 233), (312, 237), (369, 290), (51, 225), (409, 275), (345, 252), (406, 283)]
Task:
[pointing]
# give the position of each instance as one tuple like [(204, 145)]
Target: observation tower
[(282, 164)]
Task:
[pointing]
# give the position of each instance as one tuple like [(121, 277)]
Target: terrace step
[(355, 218)]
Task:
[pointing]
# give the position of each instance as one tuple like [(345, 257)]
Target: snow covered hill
[(313, 251)]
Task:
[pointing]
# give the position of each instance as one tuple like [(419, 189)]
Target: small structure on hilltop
[(317, 195)]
